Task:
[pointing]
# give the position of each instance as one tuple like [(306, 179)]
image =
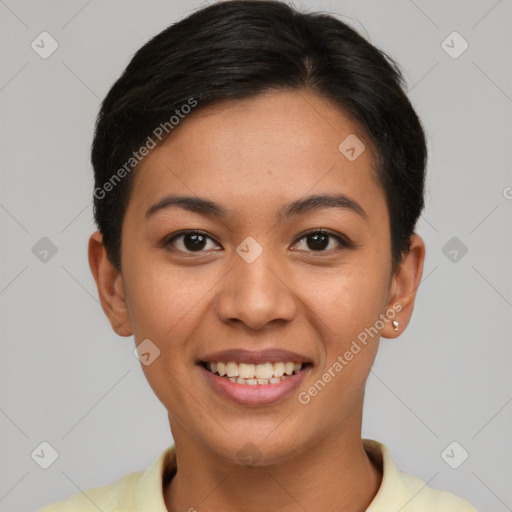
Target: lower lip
[(259, 394)]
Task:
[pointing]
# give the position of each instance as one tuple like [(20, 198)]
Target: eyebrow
[(300, 206)]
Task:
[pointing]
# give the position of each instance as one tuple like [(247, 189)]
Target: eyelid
[(167, 241), (343, 241)]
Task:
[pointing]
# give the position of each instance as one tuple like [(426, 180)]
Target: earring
[(396, 324)]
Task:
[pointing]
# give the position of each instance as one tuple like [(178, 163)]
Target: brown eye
[(320, 240), (189, 241)]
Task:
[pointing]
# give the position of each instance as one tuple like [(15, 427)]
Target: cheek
[(164, 305), (347, 300), (344, 310), (160, 298)]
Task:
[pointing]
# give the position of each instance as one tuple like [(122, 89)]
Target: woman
[(259, 174)]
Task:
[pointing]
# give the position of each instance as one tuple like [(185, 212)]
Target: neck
[(333, 474)]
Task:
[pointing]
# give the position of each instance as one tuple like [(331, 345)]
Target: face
[(277, 262)]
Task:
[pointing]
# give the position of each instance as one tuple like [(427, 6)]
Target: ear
[(404, 285), (110, 286)]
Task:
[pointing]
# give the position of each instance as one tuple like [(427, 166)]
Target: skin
[(253, 156)]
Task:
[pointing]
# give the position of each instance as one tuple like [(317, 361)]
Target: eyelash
[(344, 242)]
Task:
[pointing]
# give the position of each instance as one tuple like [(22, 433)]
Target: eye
[(320, 239), (189, 241)]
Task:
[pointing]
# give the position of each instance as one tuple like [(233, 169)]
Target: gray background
[(67, 379)]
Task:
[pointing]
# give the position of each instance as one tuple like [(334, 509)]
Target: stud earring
[(396, 324)]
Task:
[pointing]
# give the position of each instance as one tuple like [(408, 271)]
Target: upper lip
[(240, 355)]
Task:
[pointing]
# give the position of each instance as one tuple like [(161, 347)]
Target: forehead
[(271, 148)]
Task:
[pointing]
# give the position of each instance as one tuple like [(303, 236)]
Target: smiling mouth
[(254, 374)]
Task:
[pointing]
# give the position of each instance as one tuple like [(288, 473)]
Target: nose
[(255, 294)]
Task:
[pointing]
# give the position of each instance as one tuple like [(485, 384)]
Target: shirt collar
[(150, 489)]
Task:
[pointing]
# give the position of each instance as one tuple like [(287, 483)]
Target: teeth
[(252, 374), (264, 371), (246, 371), (278, 369), (254, 382), (221, 369), (288, 368), (232, 369)]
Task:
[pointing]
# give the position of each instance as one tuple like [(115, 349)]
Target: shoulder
[(107, 498), (405, 492), (140, 491), (425, 498)]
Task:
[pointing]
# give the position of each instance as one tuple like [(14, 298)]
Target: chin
[(259, 450)]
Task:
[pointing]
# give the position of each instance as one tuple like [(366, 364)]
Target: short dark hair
[(241, 48)]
